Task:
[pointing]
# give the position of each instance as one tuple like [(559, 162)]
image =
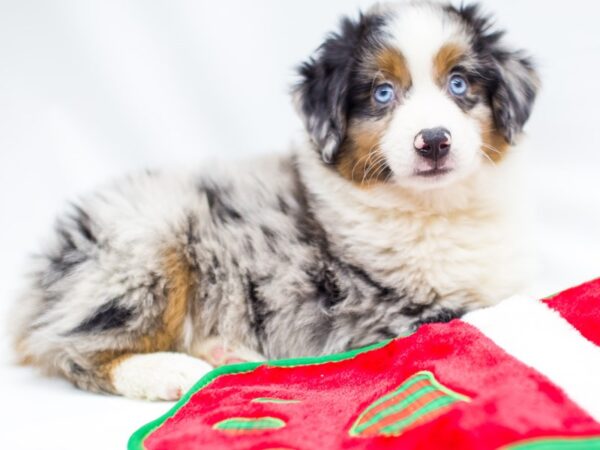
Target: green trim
[(249, 424), (551, 297), (273, 400), (558, 443), (136, 441)]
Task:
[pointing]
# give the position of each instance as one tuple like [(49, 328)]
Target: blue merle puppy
[(399, 208)]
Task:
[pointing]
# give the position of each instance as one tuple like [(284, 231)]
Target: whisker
[(374, 163), (358, 161), (365, 159), (488, 157), (491, 147), (382, 168)]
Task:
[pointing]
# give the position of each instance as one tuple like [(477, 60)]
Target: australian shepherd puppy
[(398, 209)]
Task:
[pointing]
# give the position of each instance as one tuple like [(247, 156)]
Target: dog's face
[(416, 94)]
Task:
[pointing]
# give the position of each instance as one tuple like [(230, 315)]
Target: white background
[(93, 89)]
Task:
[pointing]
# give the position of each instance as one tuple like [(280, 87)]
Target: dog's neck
[(397, 232)]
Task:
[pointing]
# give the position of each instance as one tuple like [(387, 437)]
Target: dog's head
[(417, 94)]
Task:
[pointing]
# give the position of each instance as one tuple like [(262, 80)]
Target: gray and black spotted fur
[(263, 271), (267, 274)]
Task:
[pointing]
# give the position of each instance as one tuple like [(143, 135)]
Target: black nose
[(433, 143)]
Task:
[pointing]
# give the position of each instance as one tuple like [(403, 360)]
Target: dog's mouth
[(433, 169), (433, 173)]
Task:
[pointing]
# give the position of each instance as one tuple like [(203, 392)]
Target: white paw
[(158, 376)]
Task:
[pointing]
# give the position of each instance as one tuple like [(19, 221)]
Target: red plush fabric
[(509, 402), (580, 306)]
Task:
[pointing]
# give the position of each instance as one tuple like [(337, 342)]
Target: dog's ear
[(511, 80), (515, 93), (322, 95)]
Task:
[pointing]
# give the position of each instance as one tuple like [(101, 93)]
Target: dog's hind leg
[(108, 319)]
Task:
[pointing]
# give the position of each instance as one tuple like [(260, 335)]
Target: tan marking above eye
[(446, 59), (392, 64)]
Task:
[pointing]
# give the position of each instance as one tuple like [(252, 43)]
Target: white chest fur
[(463, 242)]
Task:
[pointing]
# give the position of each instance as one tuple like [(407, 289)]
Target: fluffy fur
[(352, 238)]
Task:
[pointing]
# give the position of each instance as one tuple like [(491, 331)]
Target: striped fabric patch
[(249, 424), (417, 400)]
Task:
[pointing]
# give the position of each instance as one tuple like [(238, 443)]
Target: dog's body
[(288, 255)]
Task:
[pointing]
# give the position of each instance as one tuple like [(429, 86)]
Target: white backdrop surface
[(90, 90)]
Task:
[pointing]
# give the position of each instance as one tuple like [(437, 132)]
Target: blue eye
[(384, 93), (458, 85)]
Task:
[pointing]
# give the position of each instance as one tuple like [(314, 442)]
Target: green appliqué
[(274, 400), (241, 424), (419, 399)]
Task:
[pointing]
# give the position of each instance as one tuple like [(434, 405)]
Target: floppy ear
[(510, 76), (515, 93), (322, 95)]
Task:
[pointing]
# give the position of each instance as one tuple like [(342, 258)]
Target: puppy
[(398, 209)]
